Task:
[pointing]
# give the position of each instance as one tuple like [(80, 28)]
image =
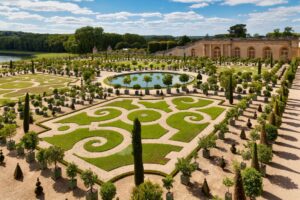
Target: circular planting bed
[(144, 115)]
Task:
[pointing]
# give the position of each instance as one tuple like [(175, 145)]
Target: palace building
[(285, 48)]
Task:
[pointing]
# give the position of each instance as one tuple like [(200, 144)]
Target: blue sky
[(147, 17)]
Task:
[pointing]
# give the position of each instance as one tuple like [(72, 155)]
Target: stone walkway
[(283, 180)]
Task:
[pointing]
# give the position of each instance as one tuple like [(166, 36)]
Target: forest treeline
[(86, 38)]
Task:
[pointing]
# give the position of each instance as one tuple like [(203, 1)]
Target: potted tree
[(30, 141), (228, 182), (137, 87), (89, 180), (265, 155), (184, 78), (55, 154), (2, 157), (147, 79), (20, 149), (186, 168), (168, 184), (222, 128), (168, 80), (10, 131), (42, 158), (71, 173), (206, 143), (108, 191), (127, 81)]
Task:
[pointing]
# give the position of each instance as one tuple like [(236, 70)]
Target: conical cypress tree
[(18, 175), (272, 119), (239, 192), (26, 119), (254, 161), (32, 67), (259, 67), (137, 153), (271, 60), (230, 89), (263, 135), (205, 188)]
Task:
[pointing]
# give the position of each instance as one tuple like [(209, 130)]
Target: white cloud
[(47, 6), (126, 15), (256, 2), (69, 20), (199, 5), (21, 16)]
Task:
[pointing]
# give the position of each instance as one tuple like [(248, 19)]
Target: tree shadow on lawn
[(282, 181), (268, 195), (282, 167), (293, 124), (230, 141), (286, 155), (78, 192), (221, 149), (34, 166), (196, 189), (46, 173)]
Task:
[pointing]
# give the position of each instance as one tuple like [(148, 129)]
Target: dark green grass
[(161, 105), (213, 112), (185, 103), (126, 104)]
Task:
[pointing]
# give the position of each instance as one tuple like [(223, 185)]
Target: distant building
[(95, 50), (285, 48)]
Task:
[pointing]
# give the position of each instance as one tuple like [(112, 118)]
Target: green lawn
[(16, 85), (126, 104), (63, 128), (185, 103), (241, 69), (186, 131), (67, 141), (30, 54), (213, 112), (152, 154), (161, 105), (84, 119), (153, 131), (5, 91), (144, 115)]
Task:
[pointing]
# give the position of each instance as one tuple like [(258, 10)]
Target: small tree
[(89, 179), (206, 143), (18, 174), (30, 141), (168, 182), (185, 166), (228, 182), (184, 78), (239, 193), (56, 154), (263, 134), (254, 161), (147, 190), (265, 153), (147, 79), (26, 118), (42, 158), (137, 153), (252, 182), (108, 191), (168, 80), (72, 173), (38, 189)]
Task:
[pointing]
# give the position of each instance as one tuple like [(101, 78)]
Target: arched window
[(193, 53), (251, 52), (237, 52), (284, 53), (217, 52), (267, 53)]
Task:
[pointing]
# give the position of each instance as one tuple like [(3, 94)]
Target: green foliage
[(239, 192), (89, 179), (137, 153), (168, 182), (147, 190), (185, 166), (55, 154), (26, 118), (205, 189), (252, 180), (254, 156), (18, 174), (30, 140), (168, 80), (228, 182), (72, 169), (207, 142), (272, 132), (265, 153), (108, 191)]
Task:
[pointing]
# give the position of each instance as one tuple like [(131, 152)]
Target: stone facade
[(243, 48)]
